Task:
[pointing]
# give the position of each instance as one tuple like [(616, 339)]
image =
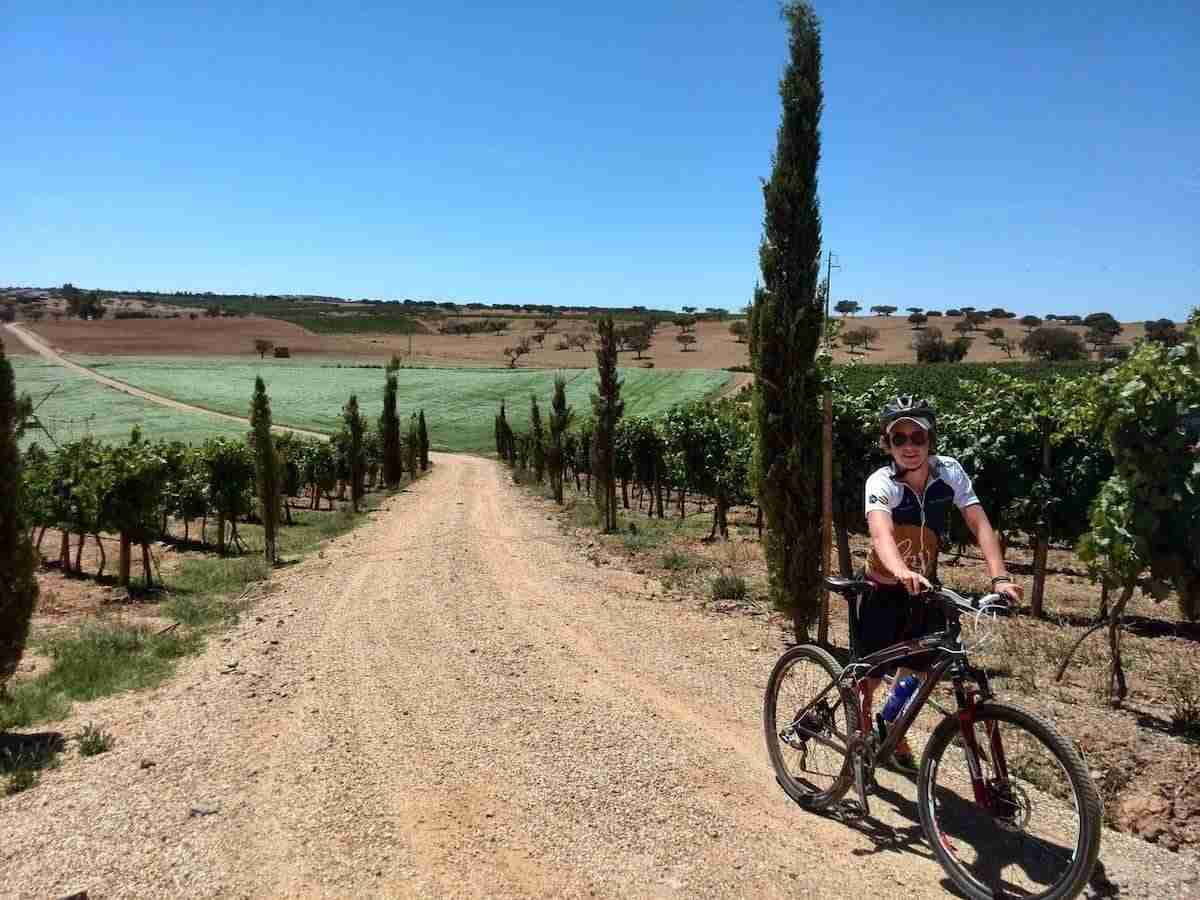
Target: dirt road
[(452, 701)]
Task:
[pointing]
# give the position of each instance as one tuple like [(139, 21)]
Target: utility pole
[(829, 268), (826, 470)]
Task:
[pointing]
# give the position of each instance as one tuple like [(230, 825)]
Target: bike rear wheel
[(1041, 837), (811, 759)]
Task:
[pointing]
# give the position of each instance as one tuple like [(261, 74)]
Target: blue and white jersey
[(920, 522)]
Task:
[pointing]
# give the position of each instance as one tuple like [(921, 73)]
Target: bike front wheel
[(807, 741), (1028, 825)]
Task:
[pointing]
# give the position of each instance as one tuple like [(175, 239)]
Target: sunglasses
[(918, 438)]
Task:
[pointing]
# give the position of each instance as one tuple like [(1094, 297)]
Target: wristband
[(1004, 576)]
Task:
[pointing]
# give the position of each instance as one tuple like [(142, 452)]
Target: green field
[(460, 404), (80, 407)]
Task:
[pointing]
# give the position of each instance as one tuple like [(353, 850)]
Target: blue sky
[(1044, 158)]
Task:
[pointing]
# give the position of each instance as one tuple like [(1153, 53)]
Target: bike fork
[(966, 725)]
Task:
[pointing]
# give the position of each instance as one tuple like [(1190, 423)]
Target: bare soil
[(716, 347), (170, 337), (12, 346), (454, 701)]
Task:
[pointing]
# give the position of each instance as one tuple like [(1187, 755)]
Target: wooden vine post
[(1043, 530), (826, 512)]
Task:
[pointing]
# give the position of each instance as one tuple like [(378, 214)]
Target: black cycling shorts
[(889, 615)]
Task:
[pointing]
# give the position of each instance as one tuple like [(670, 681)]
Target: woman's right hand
[(914, 582)]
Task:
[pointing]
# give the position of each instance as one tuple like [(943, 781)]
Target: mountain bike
[(1005, 801)]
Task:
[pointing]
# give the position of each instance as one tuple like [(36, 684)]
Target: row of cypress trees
[(545, 455), (400, 454), (268, 463)]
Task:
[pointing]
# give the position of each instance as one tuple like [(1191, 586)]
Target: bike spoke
[(815, 763), (1025, 843)]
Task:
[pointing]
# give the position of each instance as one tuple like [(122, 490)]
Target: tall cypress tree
[(537, 439), (786, 324), (18, 586), (423, 437), (389, 427), (560, 420), (608, 408), (266, 467), (354, 431)]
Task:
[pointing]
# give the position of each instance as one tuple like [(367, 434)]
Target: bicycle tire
[(1028, 789), (806, 792)]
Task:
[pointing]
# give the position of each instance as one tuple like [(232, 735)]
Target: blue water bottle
[(901, 691)]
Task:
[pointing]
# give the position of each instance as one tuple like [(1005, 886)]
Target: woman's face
[(909, 444)]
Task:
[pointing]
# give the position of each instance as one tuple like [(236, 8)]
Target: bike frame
[(952, 661)]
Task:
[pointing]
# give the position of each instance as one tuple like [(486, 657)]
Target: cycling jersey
[(920, 522)]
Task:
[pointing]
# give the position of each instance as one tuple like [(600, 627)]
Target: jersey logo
[(874, 499)]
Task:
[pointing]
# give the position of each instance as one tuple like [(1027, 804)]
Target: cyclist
[(908, 504)]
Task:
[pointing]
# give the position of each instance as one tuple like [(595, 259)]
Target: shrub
[(861, 337), (22, 778), (729, 587), (676, 561), (932, 347), (283, 353), (1163, 331), (94, 741), (1184, 693), (1054, 344)]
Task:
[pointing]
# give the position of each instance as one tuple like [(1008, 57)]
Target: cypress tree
[(389, 427), (354, 431), (413, 446), (560, 420), (504, 442), (423, 436), (266, 467), (18, 585), (786, 323), (537, 440), (608, 408)]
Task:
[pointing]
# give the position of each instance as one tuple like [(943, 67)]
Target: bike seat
[(848, 587)]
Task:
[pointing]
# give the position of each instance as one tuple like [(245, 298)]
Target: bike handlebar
[(956, 604)]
